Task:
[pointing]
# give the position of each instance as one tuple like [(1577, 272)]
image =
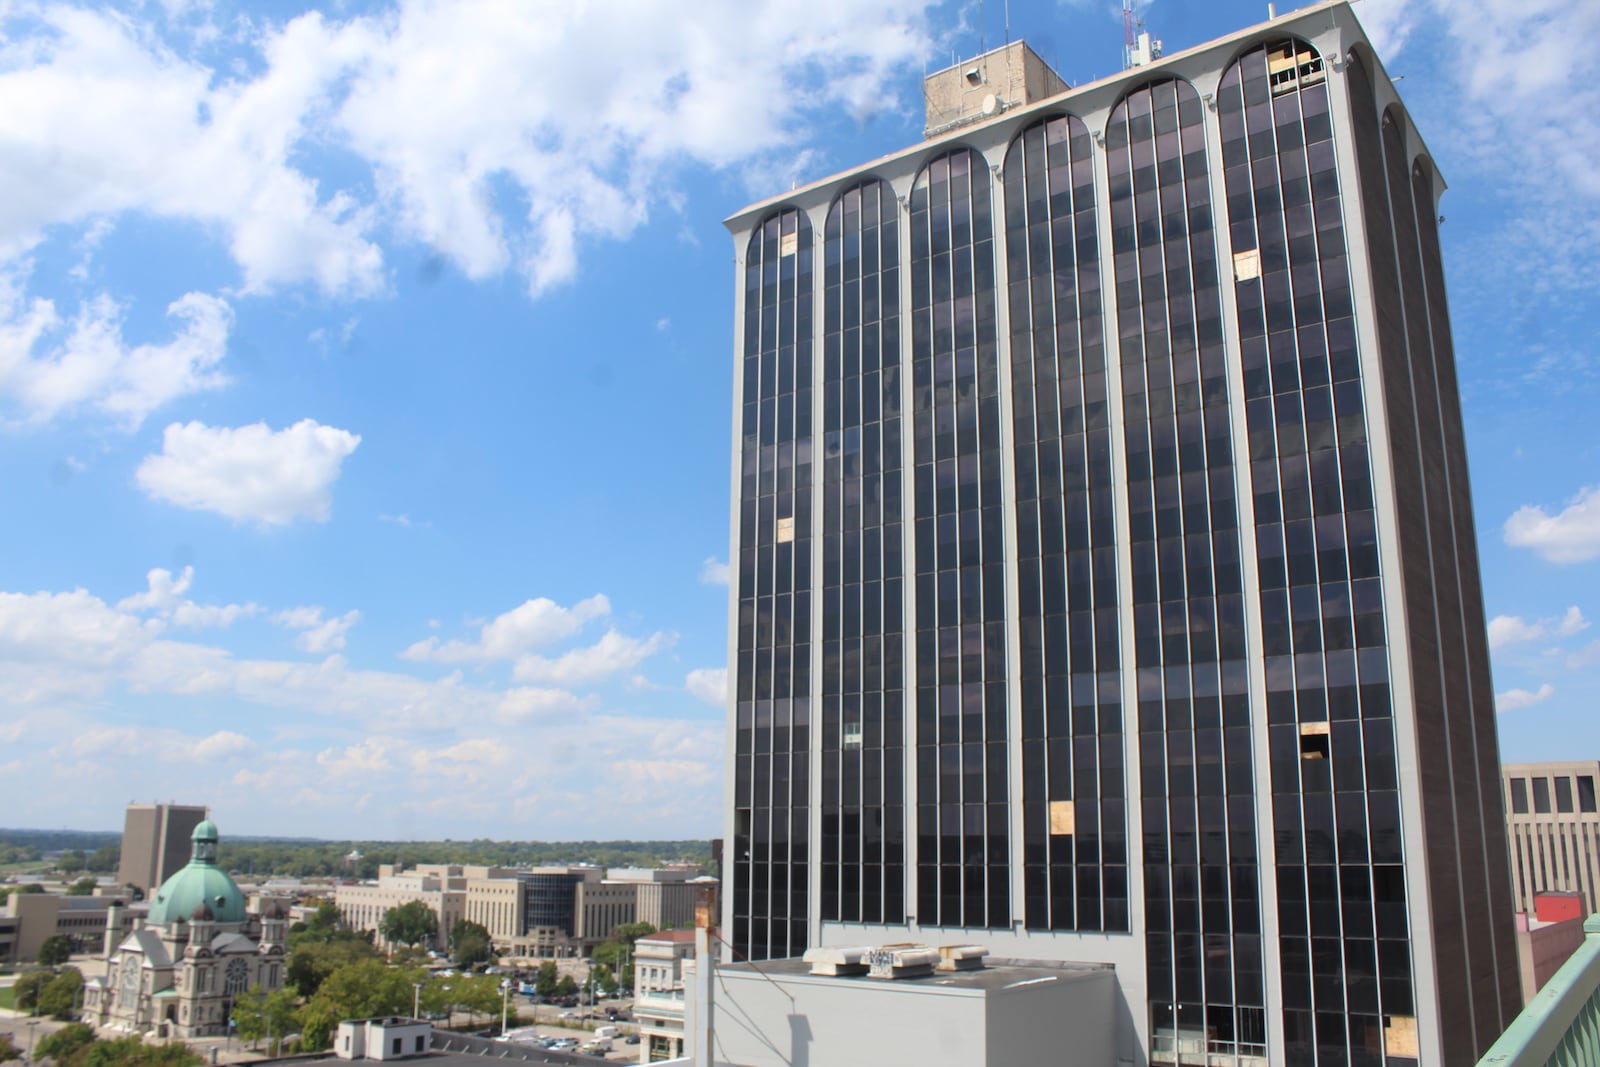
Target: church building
[(178, 971)]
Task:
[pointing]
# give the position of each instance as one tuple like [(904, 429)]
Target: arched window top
[(852, 196), (1289, 64), (958, 164), (1059, 128), (783, 232), (1152, 96)]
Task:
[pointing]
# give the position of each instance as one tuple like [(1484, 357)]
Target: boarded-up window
[(785, 530), (1063, 819), (1400, 1036), (1247, 264)]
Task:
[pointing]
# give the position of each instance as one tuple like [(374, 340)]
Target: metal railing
[(1560, 1027)]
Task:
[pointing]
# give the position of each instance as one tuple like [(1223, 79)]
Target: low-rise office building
[(443, 887), (28, 919), (1553, 824), (658, 993)]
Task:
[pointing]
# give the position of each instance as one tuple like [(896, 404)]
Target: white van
[(606, 1031), (599, 1044)]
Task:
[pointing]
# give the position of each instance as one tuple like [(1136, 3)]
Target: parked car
[(631, 1039)]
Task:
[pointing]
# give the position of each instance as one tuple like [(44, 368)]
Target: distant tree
[(628, 933), (470, 943), (311, 963), (71, 861), (55, 950), (8, 1050), (59, 999), (66, 1044), (549, 977), (566, 987), (105, 859), (412, 923), (271, 1015), (83, 887), (25, 991), (361, 990)]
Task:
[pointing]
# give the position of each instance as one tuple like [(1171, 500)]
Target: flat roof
[(995, 976)]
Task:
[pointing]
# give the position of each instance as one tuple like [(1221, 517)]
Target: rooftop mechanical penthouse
[(1106, 587)]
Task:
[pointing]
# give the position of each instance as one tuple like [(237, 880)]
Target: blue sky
[(365, 377)]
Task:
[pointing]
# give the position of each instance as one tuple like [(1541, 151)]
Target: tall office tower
[(1105, 577), (156, 842)]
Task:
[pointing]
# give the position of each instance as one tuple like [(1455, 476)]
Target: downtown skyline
[(370, 476)]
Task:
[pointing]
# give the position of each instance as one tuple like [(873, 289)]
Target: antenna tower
[(1130, 22)]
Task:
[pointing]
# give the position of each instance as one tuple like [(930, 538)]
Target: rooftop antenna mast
[(1137, 47)]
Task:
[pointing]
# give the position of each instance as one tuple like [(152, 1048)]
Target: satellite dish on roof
[(991, 104)]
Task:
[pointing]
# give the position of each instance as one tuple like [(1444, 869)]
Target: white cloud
[(252, 472), (1572, 535), (713, 571), (709, 684), (1511, 629), (221, 744), (444, 106), (164, 596), (318, 636), (612, 654), (529, 625), (50, 367), (1516, 699)]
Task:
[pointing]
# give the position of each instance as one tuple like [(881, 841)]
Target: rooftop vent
[(961, 957), (837, 961), (901, 961)]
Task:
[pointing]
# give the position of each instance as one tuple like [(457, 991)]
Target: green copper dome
[(200, 887)]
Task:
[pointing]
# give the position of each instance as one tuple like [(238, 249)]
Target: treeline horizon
[(311, 857)]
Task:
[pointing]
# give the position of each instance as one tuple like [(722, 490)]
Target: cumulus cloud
[(612, 654), (1516, 699), (443, 105), (709, 684), (531, 624), (50, 366), (1512, 629), (713, 571), (1572, 535), (249, 473), (164, 596), (318, 635)]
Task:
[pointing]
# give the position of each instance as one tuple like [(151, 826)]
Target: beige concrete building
[(27, 919), (658, 992), (1553, 819), (156, 842), (443, 887)]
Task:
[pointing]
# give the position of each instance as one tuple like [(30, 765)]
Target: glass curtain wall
[(962, 779), (863, 687), (1336, 808), (1197, 783), (773, 673), (1075, 845)]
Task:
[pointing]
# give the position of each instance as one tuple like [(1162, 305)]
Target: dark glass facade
[(1343, 940), (1198, 789), (1182, 501), (772, 746), (550, 900), (963, 791), (863, 574), (1075, 843)]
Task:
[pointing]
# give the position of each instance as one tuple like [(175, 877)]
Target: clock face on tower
[(130, 982)]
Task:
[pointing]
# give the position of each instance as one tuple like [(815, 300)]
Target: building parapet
[(1558, 1027)]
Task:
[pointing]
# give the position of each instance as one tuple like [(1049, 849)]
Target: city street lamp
[(505, 1003), (32, 1024), (416, 1000)]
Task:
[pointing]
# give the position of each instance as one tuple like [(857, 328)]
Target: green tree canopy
[(8, 1049), (412, 923), (470, 943), (628, 933), (360, 990), (549, 977), (71, 861), (60, 997), (104, 859), (83, 887), (271, 1015), (312, 962), (27, 988), (566, 987), (55, 950), (66, 1044)]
